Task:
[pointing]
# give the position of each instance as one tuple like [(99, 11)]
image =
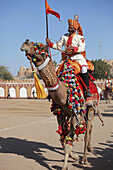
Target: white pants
[(82, 61)]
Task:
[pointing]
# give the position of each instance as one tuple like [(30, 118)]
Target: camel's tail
[(100, 117)]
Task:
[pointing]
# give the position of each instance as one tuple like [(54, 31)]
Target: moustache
[(70, 30)]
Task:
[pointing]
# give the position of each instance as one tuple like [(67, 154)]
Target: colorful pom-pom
[(34, 59), (35, 48)]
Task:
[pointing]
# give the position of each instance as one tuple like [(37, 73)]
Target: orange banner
[(50, 11)]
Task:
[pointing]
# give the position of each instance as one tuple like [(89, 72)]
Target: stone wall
[(18, 89), (101, 83), (25, 88)]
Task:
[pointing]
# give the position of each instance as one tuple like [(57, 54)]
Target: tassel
[(41, 94)]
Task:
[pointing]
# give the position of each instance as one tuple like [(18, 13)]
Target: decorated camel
[(74, 113)]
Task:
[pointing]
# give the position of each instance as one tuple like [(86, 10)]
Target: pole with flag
[(50, 11)]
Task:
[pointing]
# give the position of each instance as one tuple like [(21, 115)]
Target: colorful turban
[(74, 23)]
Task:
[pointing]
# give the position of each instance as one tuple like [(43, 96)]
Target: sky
[(26, 19)]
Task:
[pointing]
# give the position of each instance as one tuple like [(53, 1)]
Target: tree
[(5, 74), (100, 68)]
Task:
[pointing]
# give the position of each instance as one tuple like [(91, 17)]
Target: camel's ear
[(27, 41)]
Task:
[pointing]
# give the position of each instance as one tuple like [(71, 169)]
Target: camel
[(58, 92)]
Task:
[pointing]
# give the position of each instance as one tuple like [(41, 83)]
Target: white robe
[(77, 41)]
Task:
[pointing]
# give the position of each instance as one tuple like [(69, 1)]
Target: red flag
[(50, 11)]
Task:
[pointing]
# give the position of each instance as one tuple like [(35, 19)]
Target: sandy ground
[(28, 138)]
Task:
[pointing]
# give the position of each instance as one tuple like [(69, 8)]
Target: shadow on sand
[(109, 112), (103, 160), (35, 150), (28, 149)]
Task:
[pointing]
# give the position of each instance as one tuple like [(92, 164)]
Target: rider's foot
[(88, 94)]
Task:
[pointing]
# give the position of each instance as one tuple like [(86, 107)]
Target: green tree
[(5, 74), (100, 68)]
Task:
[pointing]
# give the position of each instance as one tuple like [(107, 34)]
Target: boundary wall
[(18, 89), (26, 88)]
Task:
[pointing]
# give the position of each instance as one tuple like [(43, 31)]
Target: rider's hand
[(72, 49), (69, 49), (47, 40), (50, 44)]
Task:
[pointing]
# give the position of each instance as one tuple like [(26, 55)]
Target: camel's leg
[(110, 99), (87, 138), (68, 152), (71, 154), (89, 147), (68, 148), (74, 156)]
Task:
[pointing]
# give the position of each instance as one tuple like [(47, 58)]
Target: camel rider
[(108, 84), (74, 46)]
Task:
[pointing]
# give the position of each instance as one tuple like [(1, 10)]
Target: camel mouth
[(21, 49), (27, 53)]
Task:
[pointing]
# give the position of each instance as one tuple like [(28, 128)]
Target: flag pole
[(49, 11), (47, 36)]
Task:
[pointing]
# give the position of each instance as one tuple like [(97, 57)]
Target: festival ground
[(28, 138)]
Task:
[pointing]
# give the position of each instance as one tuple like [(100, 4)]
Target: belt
[(68, 55)]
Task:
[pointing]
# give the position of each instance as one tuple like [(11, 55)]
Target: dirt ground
[(28, 138)]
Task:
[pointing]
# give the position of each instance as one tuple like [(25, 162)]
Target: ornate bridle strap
[(44, 64), (54, 87)]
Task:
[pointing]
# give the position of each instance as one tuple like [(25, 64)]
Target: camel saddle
[(77, 69)]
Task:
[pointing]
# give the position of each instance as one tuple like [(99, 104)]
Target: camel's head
[(27, 47), (34, 51)]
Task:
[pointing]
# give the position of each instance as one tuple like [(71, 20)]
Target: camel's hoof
[(102, 124), (84, 160), (90, 149), (65, 168)]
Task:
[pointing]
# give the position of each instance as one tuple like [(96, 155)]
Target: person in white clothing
[(74, 47), (108, 84)]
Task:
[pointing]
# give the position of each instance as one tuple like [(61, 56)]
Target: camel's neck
[(57, 90), (48, 74)]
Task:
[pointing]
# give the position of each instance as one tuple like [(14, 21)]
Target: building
[(19, 88), (110, 62), (25, 72)]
